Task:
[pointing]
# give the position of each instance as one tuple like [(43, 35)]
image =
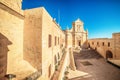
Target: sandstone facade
[(108, 48), (30, 44), (76, 36), (11, 31), (11, 40), (43, 41), (45, 44)]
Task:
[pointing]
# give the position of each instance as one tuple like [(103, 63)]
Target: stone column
[(72, 62)]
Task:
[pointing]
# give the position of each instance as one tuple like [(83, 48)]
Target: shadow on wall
[(4, 42)]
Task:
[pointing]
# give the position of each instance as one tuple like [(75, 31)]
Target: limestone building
[(107, 47), (11, 37), (76, 36), (32, 46), (44, 42)]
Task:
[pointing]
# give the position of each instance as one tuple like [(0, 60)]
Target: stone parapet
[(58, 75), (72, 62), (14, 5), (11, 11)]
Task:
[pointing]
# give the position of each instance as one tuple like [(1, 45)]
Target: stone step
[(82, 78)]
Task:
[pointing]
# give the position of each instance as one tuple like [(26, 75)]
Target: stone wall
[(32, 37), (13, 4), (116, 41), (38, 26), (69, 39), (101, 45), (11, 38), (53, 29)]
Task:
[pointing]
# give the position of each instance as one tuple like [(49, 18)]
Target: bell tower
[(78, 26), (79, 35)]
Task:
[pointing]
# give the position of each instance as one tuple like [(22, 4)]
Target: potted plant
[(65, 78), (66, 72)]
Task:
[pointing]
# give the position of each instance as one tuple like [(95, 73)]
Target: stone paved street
[(89, 61)]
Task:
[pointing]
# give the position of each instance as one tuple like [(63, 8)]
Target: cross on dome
[(78, 20)]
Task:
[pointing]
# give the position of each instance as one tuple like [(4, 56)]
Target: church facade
[(76, 36)]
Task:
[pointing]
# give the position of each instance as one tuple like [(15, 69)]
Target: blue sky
[(100, 17)]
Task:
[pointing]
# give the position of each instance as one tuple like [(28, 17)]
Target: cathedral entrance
[(79, 43)]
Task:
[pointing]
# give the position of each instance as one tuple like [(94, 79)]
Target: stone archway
[(109, 54)]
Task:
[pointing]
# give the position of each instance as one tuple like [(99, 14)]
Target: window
[(49, 71), (49, 41), (103, 43), (55, 40), (58, 40), (92, 43), (97, 43), (108, 44)]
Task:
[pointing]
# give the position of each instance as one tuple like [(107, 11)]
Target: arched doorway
[(109, 54)]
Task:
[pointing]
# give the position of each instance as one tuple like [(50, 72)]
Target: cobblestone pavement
[(91, 62)]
